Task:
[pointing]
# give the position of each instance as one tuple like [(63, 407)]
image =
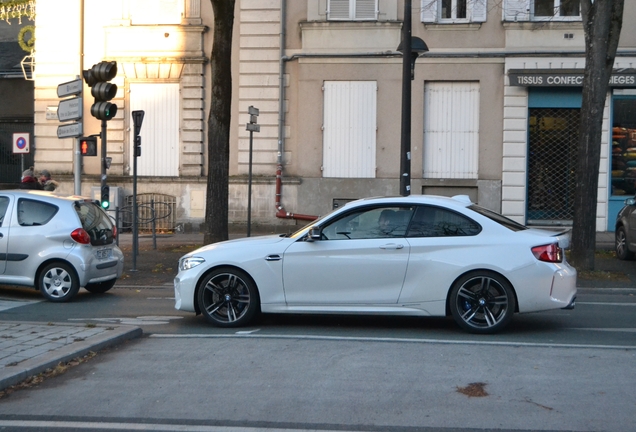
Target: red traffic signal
[(88, 146)]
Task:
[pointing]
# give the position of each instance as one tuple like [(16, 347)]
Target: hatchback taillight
[(81, 236), (548, 253), (114, 232)]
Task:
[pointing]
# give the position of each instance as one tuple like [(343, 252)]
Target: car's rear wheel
[(228, 297), (58, 282), (622, 251), (482, 302), (100, 287)]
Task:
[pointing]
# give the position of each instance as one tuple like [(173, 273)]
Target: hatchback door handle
[(392, 246)]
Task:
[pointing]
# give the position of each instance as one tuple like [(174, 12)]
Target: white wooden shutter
[(159, 130), (366, 10), (516, 10), (429, 10), (349, 129), (338, 10), (478, 10), (451, 130)]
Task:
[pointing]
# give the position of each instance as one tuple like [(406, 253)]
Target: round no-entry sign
[(21, 142)]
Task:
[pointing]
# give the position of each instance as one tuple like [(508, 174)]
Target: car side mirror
[(315, 233), (630, 201)]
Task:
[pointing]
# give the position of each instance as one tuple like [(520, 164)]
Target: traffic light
[(88, 146), (137, 146), (97, 79), (105, 201)]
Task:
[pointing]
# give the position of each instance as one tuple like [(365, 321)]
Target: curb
[(11, 375)]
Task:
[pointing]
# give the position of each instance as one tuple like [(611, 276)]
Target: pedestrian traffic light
[(97, 78), (88, 146), (105, 201), (137, 146)]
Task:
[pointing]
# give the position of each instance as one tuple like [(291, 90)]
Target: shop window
[(624, 146), (454, 11), (542, 10)]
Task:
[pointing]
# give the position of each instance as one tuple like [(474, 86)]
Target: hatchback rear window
[(96, 222)]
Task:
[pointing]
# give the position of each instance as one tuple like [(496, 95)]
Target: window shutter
[(429, 10), (516, 10), (339, 9), (478, 10), (366, 9)]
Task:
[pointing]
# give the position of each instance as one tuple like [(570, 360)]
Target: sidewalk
[(29, 348)]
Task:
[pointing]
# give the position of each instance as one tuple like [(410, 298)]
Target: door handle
[(272, 258), (392, 246)]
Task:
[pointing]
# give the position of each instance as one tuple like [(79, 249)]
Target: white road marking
[(386, 339), (10, 304), (146, 426)]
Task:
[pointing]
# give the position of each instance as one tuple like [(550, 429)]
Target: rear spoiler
[(564, 238)]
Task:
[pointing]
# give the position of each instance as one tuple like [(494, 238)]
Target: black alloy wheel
[(228, 297), (482, 302)]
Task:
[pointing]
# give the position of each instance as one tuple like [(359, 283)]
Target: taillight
[(114, 232), (81, 236), (548, 253)]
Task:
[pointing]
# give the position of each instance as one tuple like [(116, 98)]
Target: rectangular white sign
[(70, 130), (70, 109)]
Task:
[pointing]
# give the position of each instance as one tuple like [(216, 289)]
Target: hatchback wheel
[(100, 287), (228, 298), (622, 251), (58, 282), (482, 302)]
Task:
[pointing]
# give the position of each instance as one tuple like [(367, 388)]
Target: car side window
[(376, 222), (33, 213), (430, 221), (4, 205)]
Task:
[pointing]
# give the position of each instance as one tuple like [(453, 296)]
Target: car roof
[(454, 201), (25, 193)]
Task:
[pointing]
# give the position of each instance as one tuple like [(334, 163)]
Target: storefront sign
[(565, 78)]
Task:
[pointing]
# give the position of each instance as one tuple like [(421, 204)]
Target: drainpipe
[(280, 210)]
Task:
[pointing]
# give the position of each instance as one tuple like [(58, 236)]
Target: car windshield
[(501, 220), (96, 222)]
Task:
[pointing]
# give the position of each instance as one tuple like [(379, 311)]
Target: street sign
[(21, 142), (70, 109), (70, 88), (70, 130)]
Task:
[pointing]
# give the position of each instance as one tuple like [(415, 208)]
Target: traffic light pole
[(103, 137)]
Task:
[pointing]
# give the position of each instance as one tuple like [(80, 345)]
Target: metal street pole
[(405, 143)]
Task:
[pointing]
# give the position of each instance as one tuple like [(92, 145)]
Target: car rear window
[(35, 213), (96, 222), (501, 220)]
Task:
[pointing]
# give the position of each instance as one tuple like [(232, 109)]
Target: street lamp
[(418, 47), (411, 48)]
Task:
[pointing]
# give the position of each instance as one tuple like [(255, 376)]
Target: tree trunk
[(216, 208), (602, 22)]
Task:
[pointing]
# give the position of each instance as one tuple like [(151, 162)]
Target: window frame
[(555, 17), (431, 12)]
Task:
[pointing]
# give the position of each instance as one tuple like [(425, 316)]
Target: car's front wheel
[(100, 287), (622, 251), (482, 302), (58, 282), (228, 297)]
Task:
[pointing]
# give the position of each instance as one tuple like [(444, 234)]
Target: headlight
[(190, 262)]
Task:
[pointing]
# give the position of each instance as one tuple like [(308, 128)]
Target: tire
[(482, 302), (58, 282), (100, 287), (228, 297), (622, 250)]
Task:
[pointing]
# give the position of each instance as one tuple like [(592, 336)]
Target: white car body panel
[(395, 276)]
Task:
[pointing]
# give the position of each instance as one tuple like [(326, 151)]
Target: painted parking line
[(11, 304)]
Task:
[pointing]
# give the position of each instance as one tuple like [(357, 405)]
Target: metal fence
[(156, 213)]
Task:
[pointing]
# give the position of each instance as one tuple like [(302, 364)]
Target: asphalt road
[(550, 371)]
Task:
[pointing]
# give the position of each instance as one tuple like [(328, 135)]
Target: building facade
[(495, 103)]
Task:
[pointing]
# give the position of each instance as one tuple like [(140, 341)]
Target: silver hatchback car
[(57, 244)]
